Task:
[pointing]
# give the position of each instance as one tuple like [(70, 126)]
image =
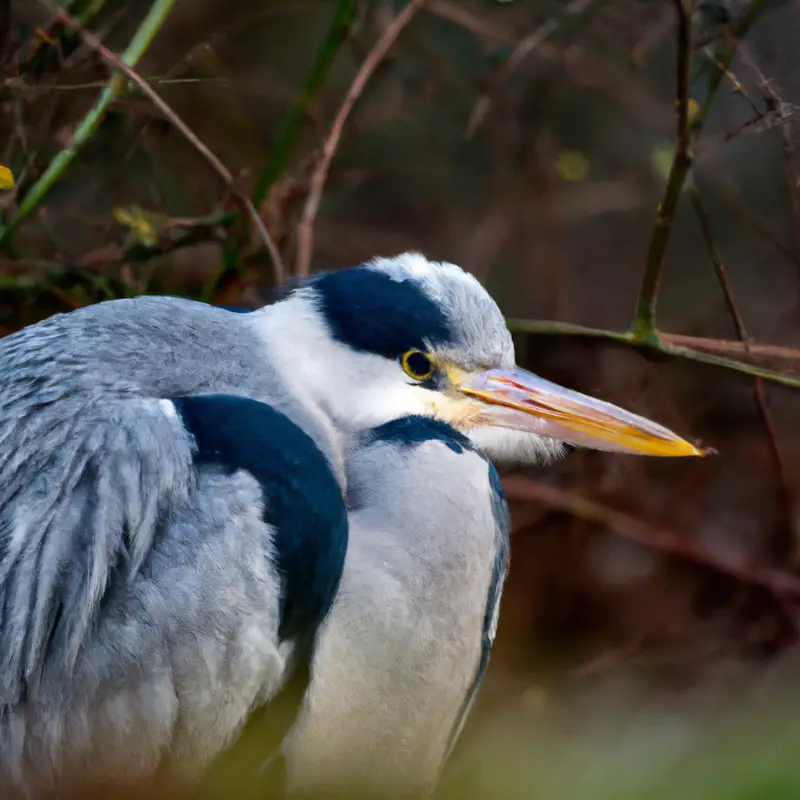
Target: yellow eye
[(417, 365)]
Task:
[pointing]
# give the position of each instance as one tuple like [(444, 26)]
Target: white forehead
[(481, 336)]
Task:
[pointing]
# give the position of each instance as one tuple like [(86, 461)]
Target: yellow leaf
[(572, 166), (140, 225), (43, 36), (123, 216), (6, 178)]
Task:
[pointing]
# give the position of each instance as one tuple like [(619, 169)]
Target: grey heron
[(193, 503)]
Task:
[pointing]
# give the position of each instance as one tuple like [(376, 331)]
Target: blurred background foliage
[(648, 635)]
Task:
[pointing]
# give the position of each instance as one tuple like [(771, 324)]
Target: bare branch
[(780, 109), (637, 530), (670, 345), (520, 53), (305, 235), (148, 91), (786, 499)]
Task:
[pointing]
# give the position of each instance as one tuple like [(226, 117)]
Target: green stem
[(91, 122), (644, 324), (285, 141), (552, 328)]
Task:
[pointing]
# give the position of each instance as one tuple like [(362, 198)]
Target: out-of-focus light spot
[(661, 158), (534, 697), (572, 166), (693, 110)]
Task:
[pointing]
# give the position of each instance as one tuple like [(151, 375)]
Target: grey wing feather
[(87, 470), (82, 492), (139, 595)]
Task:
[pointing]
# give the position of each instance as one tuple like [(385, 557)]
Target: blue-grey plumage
[(145, 606), (173, 529), (400, 658)]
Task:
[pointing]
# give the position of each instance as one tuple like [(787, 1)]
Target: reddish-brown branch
[(755, 352), (786, 499), (305, 233), (630, 527), (222, 171), (719, 268)]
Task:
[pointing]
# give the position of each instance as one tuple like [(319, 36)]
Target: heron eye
[(417, 365)]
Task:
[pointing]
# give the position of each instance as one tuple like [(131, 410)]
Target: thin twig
[(719, 268), (738, 86), (706, 227), (519, 54), (51, 38), (738, 31), (664, 346), (756, 353), (305, 234), (778, 107), (487, 29), (644, 533), (584, 68), (91, 122), (644, 322), (287, 136), (767, 352), (222, 171), (730, 195)]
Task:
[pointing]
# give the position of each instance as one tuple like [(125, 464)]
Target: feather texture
[(142, 586), (401, 656)]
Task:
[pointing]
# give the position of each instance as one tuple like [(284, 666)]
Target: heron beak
[(523, 401)]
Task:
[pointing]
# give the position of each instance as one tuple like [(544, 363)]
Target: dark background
[(649, 627)]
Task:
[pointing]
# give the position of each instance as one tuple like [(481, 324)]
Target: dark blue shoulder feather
[(302, 499), (235, 309), (415, 429)]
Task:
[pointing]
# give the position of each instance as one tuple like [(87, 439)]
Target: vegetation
[(621, 174)]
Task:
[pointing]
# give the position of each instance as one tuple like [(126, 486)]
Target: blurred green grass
[(644, 749), (617, 738)]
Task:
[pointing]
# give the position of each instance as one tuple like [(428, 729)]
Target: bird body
[(197, 505), (407, 641), (150, 600)]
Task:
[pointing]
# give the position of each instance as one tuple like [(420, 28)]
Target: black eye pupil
[(418, 364)]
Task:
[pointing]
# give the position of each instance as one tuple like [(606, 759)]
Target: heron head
[(405, 335)]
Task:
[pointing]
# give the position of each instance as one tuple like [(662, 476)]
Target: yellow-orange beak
[(523, 401)]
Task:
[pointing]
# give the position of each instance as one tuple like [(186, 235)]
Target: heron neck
[(288, 335)]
